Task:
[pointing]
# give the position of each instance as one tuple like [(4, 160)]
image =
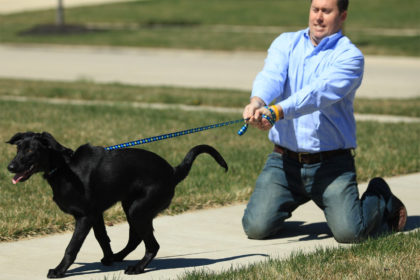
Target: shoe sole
[(402, 218)]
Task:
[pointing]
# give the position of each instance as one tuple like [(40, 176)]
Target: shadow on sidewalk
[(413, 222), (156, 264), (312, 231), (305, 232), (318, 231)]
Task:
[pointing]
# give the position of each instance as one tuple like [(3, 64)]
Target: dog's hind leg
[(83, 226), (133, 242), (152, 247), (103, 240), (141, 214), (133, 239)]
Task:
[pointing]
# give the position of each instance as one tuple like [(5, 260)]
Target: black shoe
[(397, 217), (378, 186)]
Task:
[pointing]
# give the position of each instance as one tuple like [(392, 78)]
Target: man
[(311, 76)]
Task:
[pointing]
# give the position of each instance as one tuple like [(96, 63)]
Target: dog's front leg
[(83, 226), (103, 240)]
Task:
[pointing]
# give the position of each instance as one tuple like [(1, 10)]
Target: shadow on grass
[(156, 264), (53, 29)]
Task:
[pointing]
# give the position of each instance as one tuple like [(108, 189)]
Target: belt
[(310, 158)]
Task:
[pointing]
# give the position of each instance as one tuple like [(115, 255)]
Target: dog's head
[(35, 153)]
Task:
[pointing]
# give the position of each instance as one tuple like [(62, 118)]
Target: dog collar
[(49, 174)]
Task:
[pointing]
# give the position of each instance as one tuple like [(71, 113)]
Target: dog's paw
[(133, 270), (107, 261), (119, 257), (54, 273)]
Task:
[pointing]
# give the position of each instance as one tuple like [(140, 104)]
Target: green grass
[(174, 95), (124, 93), (27, 209), (203, 24), (390, 257)]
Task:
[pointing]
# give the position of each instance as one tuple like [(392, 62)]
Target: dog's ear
[(19, 136), (49, 141)]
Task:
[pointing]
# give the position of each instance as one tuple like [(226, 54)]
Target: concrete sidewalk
[(209, 239), (385, 77)]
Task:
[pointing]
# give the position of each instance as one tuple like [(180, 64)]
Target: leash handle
[(271, 119), (170, 135)]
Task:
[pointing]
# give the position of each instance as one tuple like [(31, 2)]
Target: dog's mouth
[(23, 176)]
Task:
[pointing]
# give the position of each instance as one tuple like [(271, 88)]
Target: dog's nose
[(11, 167)]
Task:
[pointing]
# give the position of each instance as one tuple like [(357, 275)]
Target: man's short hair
[(342, 5)]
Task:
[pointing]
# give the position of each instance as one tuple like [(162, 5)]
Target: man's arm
[(268, 84), (341, 78)]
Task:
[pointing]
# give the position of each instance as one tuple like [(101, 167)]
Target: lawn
[(390, 257), (216, 24), (176, 95), (27, 209)]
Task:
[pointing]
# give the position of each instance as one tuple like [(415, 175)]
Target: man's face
[(324, 19)]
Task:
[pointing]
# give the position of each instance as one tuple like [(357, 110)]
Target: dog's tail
[(182, 170)]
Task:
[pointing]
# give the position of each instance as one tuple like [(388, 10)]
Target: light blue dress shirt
[(315, 86)]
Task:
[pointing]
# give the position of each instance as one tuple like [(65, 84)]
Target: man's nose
[(319, 17)]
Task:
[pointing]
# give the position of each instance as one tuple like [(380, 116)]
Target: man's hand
[(255, 109), (253, 114)]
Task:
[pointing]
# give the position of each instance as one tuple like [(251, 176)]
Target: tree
[(59, 20)]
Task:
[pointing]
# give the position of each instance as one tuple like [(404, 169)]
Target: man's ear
[(19, 136), (343, 16)]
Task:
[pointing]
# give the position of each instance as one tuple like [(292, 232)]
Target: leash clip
[(243, 129)]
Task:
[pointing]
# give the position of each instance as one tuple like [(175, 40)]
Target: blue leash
[(189, 131), (176, 134)]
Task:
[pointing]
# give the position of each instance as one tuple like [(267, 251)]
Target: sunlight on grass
[(27, 209), (391, 257)]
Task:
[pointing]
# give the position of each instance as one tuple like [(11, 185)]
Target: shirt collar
[(327, 41)]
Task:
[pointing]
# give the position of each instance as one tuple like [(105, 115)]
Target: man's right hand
[(253, 114)]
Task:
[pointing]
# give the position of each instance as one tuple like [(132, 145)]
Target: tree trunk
[(60, 14)]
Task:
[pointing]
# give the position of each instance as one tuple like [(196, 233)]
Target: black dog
[(89, 180)]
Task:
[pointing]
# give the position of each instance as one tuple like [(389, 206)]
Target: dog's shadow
[(156, 264)]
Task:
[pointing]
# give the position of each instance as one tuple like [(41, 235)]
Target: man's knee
[(256, 228), (347, 235)]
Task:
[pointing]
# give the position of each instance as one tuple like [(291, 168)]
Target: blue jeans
[(284, 184)]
